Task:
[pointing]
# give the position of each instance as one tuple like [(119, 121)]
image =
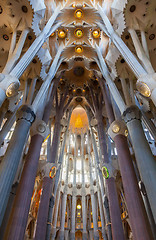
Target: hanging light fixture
[(96, 33), (78, 13), (79, 49), (78, 206), (115, 128), (61, 33)]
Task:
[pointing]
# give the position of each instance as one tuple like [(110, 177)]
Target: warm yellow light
[(79, 49), (78, 123), (78, 213), (78, 206), (61, 33), (74, 90), (73, 5), (52, 34), (126, 133), (84, 5), (78, 13), (12, 89), (78, 33), (52, 172), (83, 90), (143, 89), (115, 128), (96, 33)]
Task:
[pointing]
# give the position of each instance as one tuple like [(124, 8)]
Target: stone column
[(84, 212), (100, 202), (106, 209), (93, 200), (136, 210), (18, 218), (57, 179), (107, 217), (142, 150), (25, 117), (73, 211), (44, 207), (61, 235), (10, 81), (91, 236), (145, 160), (55, 215), (46, 194), (8, 209), (8, 124), (117, 229), (148, 208)]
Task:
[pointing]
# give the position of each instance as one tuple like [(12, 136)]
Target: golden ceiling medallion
[(78, 33), (79, 49), (61, 33), (96, 33), (78, 13)]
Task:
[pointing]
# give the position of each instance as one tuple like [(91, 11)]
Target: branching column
[(141, 147), (101, 183), (64, 198), (136, 210), (73, 210), (47, 181), (146, 82), (57, 178), (100, 203), (117, 229), (93, 200), (84, 212), (25, 117), (18, 218), (9, 82), (55, 214)]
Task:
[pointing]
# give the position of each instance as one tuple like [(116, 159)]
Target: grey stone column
[(108, 219), (84, 212), (145, 160), (100, 203), (101, 214), (101, 182), (55, 215), (61, 235), (72, 232), (25, 117), (93, 200), (57, 178)]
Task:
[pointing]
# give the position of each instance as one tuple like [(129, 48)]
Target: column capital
[(91, 191), (108, 170), (65, 190), (40, 127), (83, 191), (25, 112), (131, 113), (9, 83), (117, 128), (74, 192), (49, 170)]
